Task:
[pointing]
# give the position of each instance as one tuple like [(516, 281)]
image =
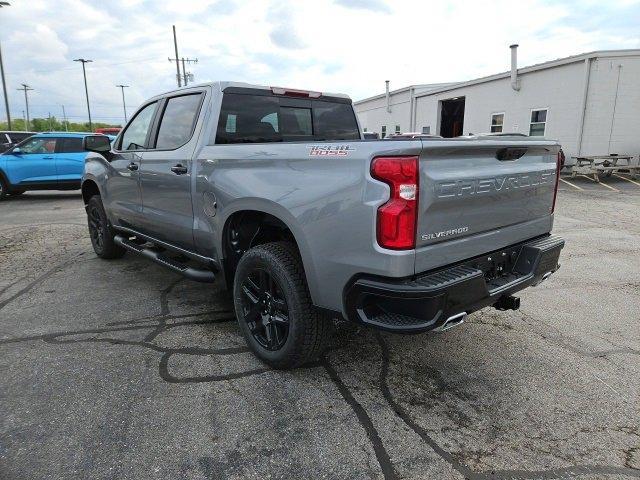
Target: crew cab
[(274, 192)]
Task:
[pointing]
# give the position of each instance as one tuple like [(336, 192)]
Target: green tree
[(53, 125)]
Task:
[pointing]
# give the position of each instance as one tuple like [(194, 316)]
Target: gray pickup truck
[(274, 192)]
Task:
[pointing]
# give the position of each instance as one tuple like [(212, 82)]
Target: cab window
[(39, 145), (71, 145), (178, 121), (135, 135)]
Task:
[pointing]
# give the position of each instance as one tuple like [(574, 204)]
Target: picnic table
[(603, 164)]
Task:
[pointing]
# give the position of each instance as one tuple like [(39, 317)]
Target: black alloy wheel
[(265, 309), (96, 228)]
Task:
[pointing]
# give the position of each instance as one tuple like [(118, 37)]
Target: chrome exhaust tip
[(451, 322)]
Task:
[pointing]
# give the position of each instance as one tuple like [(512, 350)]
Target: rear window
[(264, 118)]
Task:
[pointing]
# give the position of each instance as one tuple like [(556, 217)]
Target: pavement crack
[(365, 422), (37, 281), (466, 471)]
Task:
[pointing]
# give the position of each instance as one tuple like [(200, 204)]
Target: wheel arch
[(275, 223), (89, 188)]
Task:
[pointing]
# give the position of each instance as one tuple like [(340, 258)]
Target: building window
[(538, 122), (383, 131), (497, 121), (397, 128), (426, 130), (365, 129)]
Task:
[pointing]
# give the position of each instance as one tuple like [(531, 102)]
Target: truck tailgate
[(481, 186)]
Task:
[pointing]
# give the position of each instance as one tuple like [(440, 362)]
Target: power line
[(97, 67)]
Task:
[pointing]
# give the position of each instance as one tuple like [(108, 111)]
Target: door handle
[(179, 169), (132, 166), (47, 158)]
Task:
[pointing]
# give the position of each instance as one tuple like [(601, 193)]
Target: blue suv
[(45, 161)]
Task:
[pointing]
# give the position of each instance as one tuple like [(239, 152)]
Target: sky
[(346, 46)]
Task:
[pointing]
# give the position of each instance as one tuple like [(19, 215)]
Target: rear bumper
[(425, 302)]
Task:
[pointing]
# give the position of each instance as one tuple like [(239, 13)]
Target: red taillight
[(559, 165), (398, 217)]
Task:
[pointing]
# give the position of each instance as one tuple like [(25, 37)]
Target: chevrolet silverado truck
[(274, 192)]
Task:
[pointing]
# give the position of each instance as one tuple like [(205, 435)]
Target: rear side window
[(178, 120), (248, 119), (264, 118), (335, 121), (135, 135), (71, 145)]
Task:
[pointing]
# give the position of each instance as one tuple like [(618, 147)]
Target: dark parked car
[(9, 139)]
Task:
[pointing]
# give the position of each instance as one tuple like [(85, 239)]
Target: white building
[(589, 102)]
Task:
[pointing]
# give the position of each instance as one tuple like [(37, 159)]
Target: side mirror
[(96, 143), (16, 150)]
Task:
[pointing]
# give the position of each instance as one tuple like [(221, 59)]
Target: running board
[(195, 274)]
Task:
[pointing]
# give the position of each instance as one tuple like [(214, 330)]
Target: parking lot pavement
[(122, 370)]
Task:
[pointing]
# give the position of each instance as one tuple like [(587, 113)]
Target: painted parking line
[(601, 183), (571, 184), (627, 179)]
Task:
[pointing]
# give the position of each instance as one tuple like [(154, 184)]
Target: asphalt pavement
[(123, 370)]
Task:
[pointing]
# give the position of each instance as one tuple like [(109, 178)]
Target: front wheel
[(3, 188), (274, 308), (101, 233)]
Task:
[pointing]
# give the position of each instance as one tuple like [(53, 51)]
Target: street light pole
[(86, 90), (4, 83), (4, 89), (26, 88), (124, 106)]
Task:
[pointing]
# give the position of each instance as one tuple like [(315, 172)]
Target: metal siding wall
[(373, 114), (625, 135), (559, 89)]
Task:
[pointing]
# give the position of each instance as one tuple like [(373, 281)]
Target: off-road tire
[(308, 328), (99, 228)]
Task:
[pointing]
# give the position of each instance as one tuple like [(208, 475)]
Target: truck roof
[(222, 85)]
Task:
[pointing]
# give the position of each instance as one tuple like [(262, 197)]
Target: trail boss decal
[(330, 150)]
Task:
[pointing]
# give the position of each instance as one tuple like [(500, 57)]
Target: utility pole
[(26, 88), (64, 116), (124, 105), (24, 121), (49, 116), (86, 90), (186, 75), (175, 45), (4, 83)]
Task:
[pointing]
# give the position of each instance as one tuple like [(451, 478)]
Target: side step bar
[(195, 274)]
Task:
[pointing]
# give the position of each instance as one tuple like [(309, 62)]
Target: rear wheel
[(274, 309), (101, 233)]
